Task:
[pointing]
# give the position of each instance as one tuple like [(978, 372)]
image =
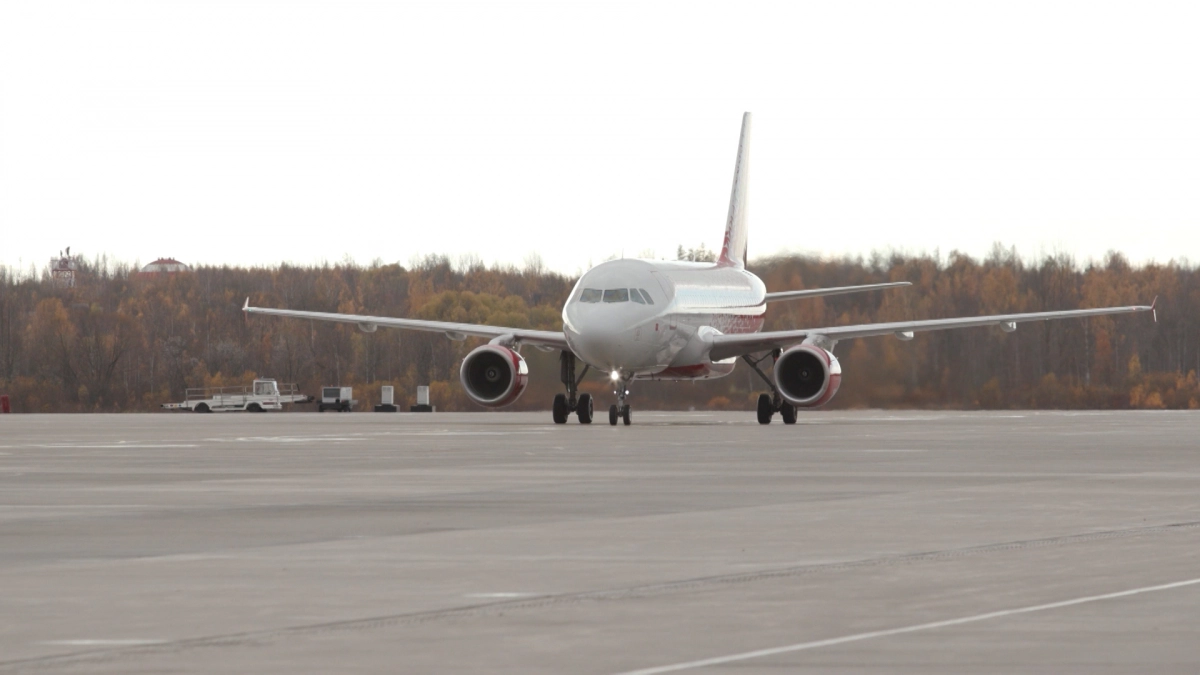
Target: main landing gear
[(769, 404), (572, 401)]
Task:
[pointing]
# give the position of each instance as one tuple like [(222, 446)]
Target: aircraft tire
[(765, 409), (559, 409), (612, 414), (583, 409), (788, 413), (625, 416)]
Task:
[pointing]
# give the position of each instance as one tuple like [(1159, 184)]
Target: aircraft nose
[(600, 343)]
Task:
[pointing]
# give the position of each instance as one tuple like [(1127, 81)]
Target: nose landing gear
[(621, 409), (572, 401), (769, 404), (616, 412)]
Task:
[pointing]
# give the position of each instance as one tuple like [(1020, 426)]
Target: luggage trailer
[(263, 395)]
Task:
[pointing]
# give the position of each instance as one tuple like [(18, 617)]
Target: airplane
[(654, 320)]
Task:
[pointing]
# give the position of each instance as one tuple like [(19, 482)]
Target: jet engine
[(808, 376), (494, 376)]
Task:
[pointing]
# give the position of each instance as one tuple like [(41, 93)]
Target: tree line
[(120, 340)]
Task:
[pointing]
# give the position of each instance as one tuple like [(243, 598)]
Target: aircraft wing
[(454, 331), (726, 346), (839, 290)]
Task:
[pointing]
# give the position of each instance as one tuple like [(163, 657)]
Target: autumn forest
[(120, 340)]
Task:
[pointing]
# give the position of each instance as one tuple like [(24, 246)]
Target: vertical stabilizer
[(733, 251)]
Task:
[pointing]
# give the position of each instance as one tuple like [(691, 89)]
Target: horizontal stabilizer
[(840, 290)]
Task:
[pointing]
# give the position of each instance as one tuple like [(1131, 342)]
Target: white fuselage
[(612, 326)]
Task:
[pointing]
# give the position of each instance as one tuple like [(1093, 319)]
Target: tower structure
[(63, 268)]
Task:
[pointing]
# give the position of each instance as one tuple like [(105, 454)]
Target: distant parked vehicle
[(340, 399), (261, 396), (387, 402)]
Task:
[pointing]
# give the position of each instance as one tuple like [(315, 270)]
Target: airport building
[(165, 266)]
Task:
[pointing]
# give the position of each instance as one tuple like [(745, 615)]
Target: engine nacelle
[(808, 376), (494, 376)]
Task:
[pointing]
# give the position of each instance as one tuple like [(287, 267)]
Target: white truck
[(263, 395), (340, 399)]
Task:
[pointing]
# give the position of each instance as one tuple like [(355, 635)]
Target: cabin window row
[(638, 295), (713, 297)]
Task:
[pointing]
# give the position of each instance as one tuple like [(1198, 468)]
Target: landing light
[(615, 375)]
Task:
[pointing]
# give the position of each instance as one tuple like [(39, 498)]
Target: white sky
[(258, 132)]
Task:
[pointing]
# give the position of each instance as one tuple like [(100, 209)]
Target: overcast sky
[(259, 132)]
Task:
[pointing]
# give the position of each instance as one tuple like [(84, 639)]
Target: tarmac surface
[(868, 541)]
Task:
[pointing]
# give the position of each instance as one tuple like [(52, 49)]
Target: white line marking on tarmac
[(74, 506), (470, 433), (759, 653), (500, 595), (122, 446), (291, 439), (102, 643)]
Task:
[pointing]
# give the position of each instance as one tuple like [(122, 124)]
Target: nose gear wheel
[(620, 410), (622, 413)]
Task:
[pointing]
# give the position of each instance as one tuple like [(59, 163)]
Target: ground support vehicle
[(423, 404), (340, 399), (261, 396), (388, 400)]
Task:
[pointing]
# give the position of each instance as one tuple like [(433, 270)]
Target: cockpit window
[(616, 295)]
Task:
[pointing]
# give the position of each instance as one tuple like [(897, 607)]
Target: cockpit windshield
[(638, 295)]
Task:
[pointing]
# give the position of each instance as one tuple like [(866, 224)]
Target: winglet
[(1154, 312), (246, 307)]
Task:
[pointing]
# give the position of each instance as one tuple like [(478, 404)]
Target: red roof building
[(165, 265)]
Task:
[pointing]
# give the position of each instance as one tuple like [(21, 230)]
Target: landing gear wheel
[(765, 409), (612, 414), (560, 409), (625, 415), (788, 413), (583, 409)]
